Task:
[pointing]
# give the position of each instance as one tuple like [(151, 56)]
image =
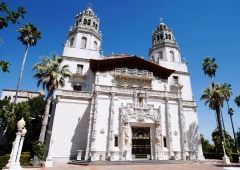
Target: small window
[(71, 42), (89, 22), (175, 79), (94, 45), (172, 56), (79, 69), (169, 36), (96, 26), (161, 36), (160, 55), (84, 22), (77, 87), (166, 36), (116, 141), (165, 142), (84, 43)]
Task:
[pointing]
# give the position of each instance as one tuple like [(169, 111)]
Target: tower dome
[(84, 39), (164, 50)]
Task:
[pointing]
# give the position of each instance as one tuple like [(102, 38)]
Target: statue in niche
[(140, 99)]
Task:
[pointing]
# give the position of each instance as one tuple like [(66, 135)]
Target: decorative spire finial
[(89, 5), (161, 19)]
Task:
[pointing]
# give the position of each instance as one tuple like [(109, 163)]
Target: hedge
[(24, 159), (233, 156)]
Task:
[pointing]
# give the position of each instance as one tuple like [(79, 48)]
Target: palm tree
[(209, 67), (237, 101), (228, 92), (214, 96), (29, 37), (50, 73)]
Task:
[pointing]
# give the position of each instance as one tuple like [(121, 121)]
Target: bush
[(235, 157), (24, 159), (208, 155), (39, 150)]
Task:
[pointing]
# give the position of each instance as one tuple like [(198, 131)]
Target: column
[(111, 130), (183, 135), (168, 127), (94, 129)]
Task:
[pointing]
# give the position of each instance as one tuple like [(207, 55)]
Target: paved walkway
[(205, 165)]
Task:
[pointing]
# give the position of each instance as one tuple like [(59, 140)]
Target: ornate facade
[(123, 107)]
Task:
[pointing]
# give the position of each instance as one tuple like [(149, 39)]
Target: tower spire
[(89, 5), (161, 19)]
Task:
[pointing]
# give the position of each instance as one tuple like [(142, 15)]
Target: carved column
[(94, 130), (158, 138), (168, 127), (183, 135), (89, 141), (111, 118)]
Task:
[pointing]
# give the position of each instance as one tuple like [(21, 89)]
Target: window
[(116, 141), (96, 26), (84, 22), (161, 36), (160, 55), (77, 87), (89, 22), (71, 42), (164, 142), (94, 45), (169, 36), (79, 69), (172, 56), (175, 79), (84, 43)]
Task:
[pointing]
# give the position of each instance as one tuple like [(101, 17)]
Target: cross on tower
[(90, 5), (161, 19)]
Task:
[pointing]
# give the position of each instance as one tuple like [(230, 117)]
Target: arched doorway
[(141, 142)]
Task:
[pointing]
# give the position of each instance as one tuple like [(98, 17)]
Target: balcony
[(78, 78), (125, 73)]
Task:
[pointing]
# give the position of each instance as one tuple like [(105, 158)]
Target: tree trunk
[(45, 118), (222, 119), (222, 136), (235, 139), (20, 76)]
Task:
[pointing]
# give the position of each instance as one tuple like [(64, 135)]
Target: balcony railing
[(134, 73)]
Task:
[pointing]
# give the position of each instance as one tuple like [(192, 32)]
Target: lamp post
[(225, 157), (17, 163), (17, 147)]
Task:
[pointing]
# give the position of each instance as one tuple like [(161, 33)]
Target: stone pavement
[(205, 165)]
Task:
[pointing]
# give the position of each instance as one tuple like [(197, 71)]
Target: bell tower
[(165, 50), (84, 39)]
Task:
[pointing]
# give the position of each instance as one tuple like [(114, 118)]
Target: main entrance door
[(141, 142)]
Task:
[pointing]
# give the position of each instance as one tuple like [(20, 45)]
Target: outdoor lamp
[(24, 131), (20, 124)]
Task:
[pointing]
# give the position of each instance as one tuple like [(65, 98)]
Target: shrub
[(24, 159), (39, 150), (208, 155)]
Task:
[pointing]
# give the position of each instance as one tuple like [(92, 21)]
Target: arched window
[(89, 22), (160, 55), (94, 45), (158, 37), (169, 36), (172, 56), (166, 36), (85, 22), (84, 43), (76, 23), (96, 26), (161, 36), (71, 42)]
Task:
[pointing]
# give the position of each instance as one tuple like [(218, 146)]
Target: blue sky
[(201, 28)]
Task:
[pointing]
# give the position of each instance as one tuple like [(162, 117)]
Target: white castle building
[(123, 107)]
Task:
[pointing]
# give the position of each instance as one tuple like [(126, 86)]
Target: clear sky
[(201, 28)]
